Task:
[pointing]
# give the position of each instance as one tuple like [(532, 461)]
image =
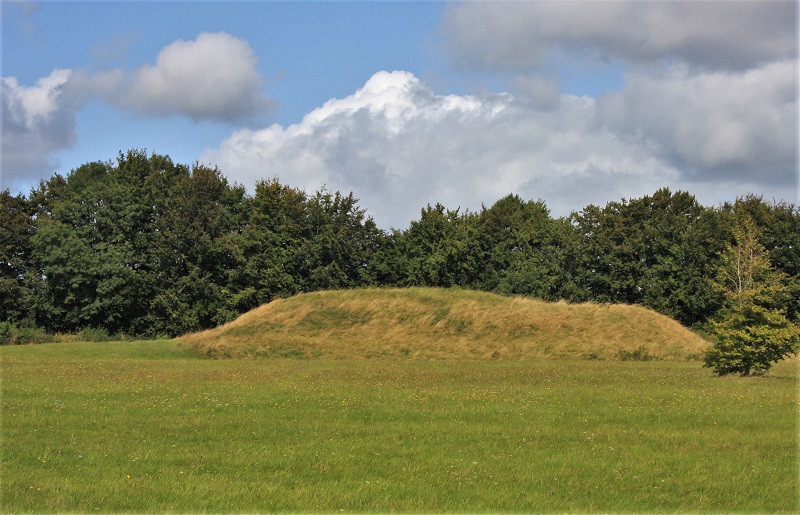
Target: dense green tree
[(779, 232), (146, 246), (656, 251), (753, 330), (293, 243), (522, 249), (267, 243), (441, 249), (196, 252), (339, 243), (388, 266), (93, 246), (679, 240), (16, 229)]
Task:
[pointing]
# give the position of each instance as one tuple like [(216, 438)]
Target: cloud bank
[(707, 34), (715, 125), (708, 103), (399, 146)]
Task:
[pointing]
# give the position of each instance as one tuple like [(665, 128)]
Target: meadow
[(153, 427)]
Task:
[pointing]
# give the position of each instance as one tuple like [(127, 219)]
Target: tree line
[(147, 247)]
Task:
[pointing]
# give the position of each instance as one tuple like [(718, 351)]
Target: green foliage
[(16, 228), (440, 249), (523, 249), (95, 335), (656, 251), (93, 246), (753, 331), (638, 354), (11, 334), (145, 246), (779, 233), (5, 332), (338, 243), (267, 245), (514, 248), (750, 339)]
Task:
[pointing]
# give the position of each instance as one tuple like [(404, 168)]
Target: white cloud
[(213, 77), (709, 94), (33, 105), (398, 146), (541, 92), (37, 121), (714, 125), (711, 34)]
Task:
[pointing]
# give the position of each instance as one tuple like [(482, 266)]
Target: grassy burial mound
[(430, 323)]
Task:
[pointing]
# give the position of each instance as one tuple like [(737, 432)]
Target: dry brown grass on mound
[(429, 323)]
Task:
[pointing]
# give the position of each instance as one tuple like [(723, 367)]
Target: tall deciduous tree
[(753, 331), (268, 240), (656, 251), (441, 249), (146, 246), (196, 252), (93, 244), (16, 229), (523, 249), (340, 240), (779, 232)]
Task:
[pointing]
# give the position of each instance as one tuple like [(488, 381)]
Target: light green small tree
[(753, 331)]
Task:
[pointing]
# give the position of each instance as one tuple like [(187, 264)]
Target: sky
[(406, 104)]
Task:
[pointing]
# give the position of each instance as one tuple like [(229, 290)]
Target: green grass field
[(147, 427)]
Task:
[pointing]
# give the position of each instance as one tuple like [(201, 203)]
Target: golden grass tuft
[(444, 324)]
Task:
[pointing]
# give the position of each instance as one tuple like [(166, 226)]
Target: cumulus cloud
[(37, 121), (714, 125), (710, 34), (540, 91), (709, 91), (398, 146), (213, 77)]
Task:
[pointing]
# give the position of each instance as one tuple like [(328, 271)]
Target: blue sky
[(409, 103), (308, 53)]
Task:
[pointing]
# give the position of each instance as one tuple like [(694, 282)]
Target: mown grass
[(445, 324), (147, 349), (151, 430)]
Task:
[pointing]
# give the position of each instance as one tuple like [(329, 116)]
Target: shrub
[(5, 332), (95, 334), (23, 335), (638, 354)]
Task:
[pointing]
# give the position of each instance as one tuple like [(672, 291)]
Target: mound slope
[(430, 323)]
